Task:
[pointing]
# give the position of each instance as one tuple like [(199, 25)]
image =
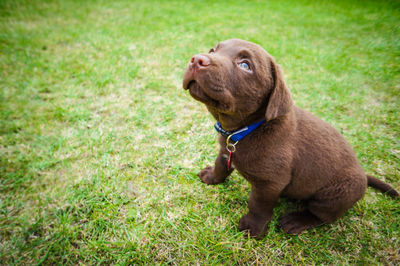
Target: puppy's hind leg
[(296, 222), (328, 204)]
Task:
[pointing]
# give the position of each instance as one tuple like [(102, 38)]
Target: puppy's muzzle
[(198, 62)]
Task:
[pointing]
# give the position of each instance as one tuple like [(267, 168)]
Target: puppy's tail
[(382, 186)]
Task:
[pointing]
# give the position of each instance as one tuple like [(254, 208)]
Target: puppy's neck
[(234, 122)]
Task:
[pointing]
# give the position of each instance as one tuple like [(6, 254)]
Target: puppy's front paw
[(207, 176), (255, 227)]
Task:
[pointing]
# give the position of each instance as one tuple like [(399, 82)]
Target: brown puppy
[(292, 153)]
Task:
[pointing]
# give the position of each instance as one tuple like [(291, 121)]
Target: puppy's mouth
[(199, 94), (205, 87)]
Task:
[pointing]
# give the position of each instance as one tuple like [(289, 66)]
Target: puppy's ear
[(280, 101)]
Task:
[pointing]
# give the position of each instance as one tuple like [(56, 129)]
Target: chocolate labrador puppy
[(279, 148)]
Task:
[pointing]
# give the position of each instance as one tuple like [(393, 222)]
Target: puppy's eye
[(212, 50), (244, 65)]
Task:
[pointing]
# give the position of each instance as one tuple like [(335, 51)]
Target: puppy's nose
[(199, 61)]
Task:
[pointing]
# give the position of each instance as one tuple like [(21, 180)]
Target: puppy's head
[(239, 82)]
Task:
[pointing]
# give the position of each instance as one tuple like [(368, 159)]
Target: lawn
[(100, 146)]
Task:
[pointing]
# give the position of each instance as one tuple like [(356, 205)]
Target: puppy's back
[(320, 154)]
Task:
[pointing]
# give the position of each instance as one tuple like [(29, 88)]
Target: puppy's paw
[(207, 176), (255, 227), (296, 222)]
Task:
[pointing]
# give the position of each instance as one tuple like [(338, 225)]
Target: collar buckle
[(231, 147)]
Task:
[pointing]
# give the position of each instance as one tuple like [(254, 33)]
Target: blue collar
[(238, 134)]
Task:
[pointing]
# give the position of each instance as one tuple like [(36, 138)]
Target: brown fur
[(293, 154)]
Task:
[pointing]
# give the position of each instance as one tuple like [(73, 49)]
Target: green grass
[(100, 145)]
